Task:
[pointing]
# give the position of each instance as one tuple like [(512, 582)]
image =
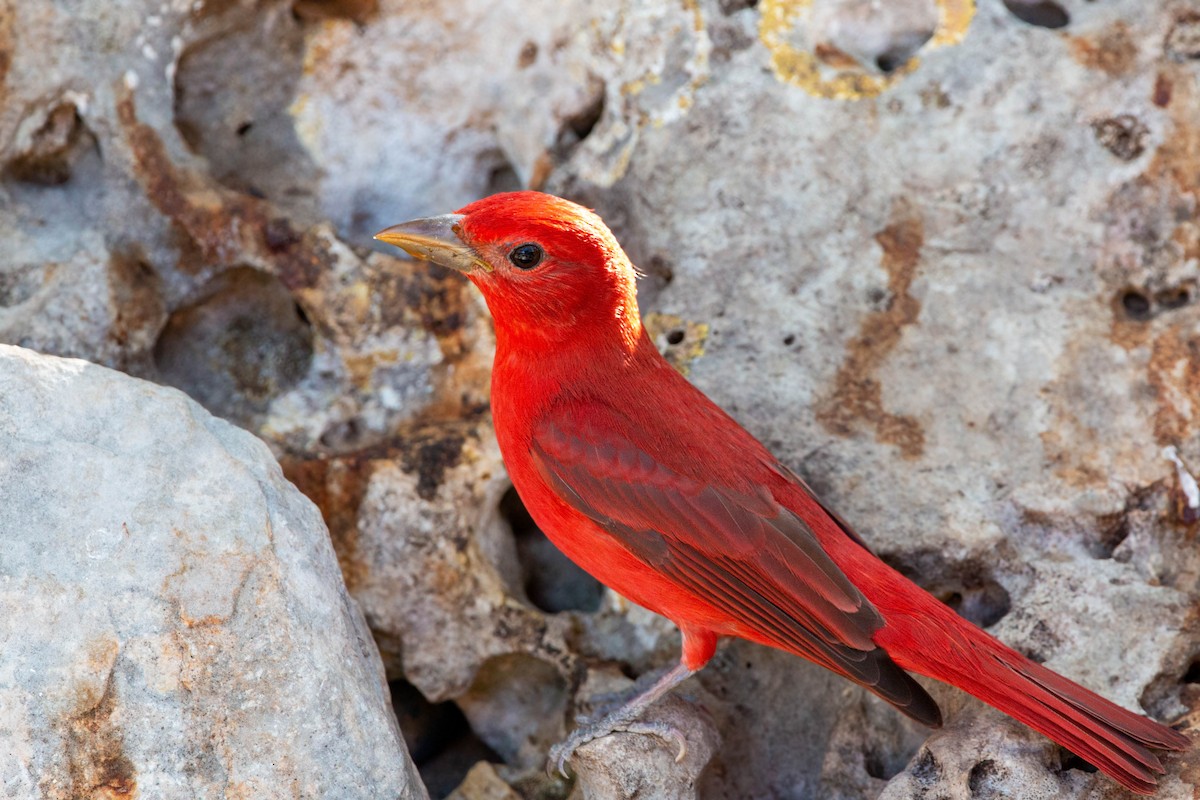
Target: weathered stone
[(482, 783), (174, 621), (638, 765)]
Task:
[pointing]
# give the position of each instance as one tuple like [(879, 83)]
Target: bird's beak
[(435, 239)]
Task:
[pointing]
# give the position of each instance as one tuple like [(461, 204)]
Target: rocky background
[(943, 259)]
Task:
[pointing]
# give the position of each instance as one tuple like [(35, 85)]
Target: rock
[(175, 623), (483, 783), (637, 765)]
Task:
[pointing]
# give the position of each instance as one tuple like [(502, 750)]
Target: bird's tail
[(936, 642)]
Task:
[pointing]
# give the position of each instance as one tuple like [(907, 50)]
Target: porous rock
[(629, 764)]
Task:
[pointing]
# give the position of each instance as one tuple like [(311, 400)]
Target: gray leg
[(625, 719)]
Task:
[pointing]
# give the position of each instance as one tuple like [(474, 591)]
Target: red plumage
[(650, 487)]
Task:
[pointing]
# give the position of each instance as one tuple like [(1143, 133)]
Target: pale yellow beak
[(435, 239)]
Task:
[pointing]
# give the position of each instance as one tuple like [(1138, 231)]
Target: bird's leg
[(624, 718), (604, 702)]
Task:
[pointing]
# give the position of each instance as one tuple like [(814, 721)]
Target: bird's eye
[(526, 256)]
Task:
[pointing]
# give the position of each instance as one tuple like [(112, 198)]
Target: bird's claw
[(562, 752), (663, 731)]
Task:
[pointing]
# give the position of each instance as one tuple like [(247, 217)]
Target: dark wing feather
[(742, 552)]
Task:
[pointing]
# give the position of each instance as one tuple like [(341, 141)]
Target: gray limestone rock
[(174, 621)]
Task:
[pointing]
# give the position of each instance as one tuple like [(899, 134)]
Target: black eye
[(526, 256)]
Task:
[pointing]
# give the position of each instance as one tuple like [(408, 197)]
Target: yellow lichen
[(954, 18), (781, 18), (680, 341)]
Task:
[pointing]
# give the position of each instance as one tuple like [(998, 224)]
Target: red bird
[(649, 486)]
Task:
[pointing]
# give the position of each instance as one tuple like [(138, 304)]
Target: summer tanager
[(650, 487)]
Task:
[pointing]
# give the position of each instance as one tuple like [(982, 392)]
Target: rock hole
[(438, 737), (136, 294), (583, 122), (980, 775), (883, 37), (503, 178), (1192, 675), (237, 347), (660, 268), (967, 587), (528, 55), (729, 7), (46, 155), (901, 53), (1183, 39), (1104, 545), (789, 340), (1069, 761), (985, 603), (1173, 298), (675, 336), (1136, 305), (874, 765), (244, 128), (926, 770), (552, 582), (1124, 136), (1040, 13), (342, 437), (883, 765), (279, 235)]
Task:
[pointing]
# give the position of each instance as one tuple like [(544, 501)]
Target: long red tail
[(926, 637)]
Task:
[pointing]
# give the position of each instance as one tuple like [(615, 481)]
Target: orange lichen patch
[(543, 166), (1064, 459), (1174, 372), (1112, 52), (223, 227), (337, 486), (1155, 234), (97, 767), (857, 394), (357, 10), (206, 621), (135, 297), (7, 23), (1178, 157), (1084, 447)]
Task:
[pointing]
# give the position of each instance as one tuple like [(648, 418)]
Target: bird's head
[(549, 269)]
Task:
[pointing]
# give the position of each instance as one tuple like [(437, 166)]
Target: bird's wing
[(738, 550)]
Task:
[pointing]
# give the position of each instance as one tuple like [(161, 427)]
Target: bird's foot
[(562, 752), (625, 718)]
